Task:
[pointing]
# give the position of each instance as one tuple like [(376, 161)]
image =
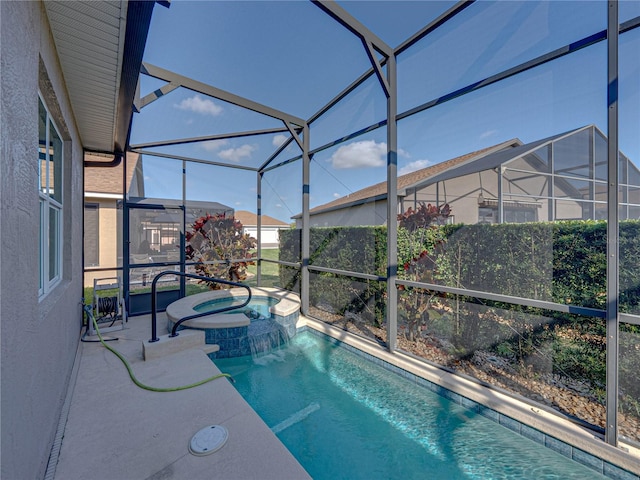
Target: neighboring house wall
[(471, 203), (39, 335), (270, 228), (103, 187), (373, 213), (269, 238), (461, 193), (109, 233)]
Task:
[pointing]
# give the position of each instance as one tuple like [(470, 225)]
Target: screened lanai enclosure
[(461, 180)]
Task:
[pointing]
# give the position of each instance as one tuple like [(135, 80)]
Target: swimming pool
[(344, 417)]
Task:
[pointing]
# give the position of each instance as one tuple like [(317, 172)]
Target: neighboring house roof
[(409, 180), (107, 180), (249, 219), (194, 208), (103, 181), (478, 161)]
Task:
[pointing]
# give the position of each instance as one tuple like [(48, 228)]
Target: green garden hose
[(138, 382)]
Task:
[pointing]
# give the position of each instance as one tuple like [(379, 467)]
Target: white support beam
[(371, 41), (295, 136), (205, 138), (156, 94), (376, 65), (343, 17), (218, 93)]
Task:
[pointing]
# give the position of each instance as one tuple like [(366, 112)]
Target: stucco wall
[(39, 337), (366, 214), (108, 239), (269, 238)]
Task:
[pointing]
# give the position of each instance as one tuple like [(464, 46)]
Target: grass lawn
[(269, 271), (270, 278)]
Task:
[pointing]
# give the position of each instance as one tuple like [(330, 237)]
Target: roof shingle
[(251, 219)]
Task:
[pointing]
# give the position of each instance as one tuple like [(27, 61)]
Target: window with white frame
[(50, 160)]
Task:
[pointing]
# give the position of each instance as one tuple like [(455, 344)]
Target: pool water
[(344, 417), (258, 304)]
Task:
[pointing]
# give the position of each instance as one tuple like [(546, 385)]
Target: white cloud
[(488, 133), (279, 205), (213, 145), (336, 195), (362, 154), (237, 154), (403, 153), (200, 105), (413, 166), (279, 139)]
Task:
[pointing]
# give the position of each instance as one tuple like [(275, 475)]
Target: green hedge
[(357, 249), (562, 262)]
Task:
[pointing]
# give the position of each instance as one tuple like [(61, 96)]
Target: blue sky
[(293, 57)]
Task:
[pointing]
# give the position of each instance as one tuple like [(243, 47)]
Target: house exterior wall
[(472, 198), (374, 213), (270, 236), (39, 337), (108, 240), (461, 193), (463, 196)]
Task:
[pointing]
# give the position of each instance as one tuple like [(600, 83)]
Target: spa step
[(167, 345), (210, 348)]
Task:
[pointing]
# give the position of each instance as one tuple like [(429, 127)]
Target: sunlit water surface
[(344, 417)]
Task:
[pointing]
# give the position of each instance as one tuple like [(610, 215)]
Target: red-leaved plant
[(214, 241), (414, 302)]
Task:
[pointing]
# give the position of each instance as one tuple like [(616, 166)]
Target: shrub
[(214, 241), (562, 262)]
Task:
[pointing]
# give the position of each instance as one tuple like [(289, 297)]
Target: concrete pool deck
[(117, 431)]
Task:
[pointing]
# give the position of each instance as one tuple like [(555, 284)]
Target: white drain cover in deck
[(208, 440)]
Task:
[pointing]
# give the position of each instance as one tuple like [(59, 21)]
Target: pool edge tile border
[(541, 426)]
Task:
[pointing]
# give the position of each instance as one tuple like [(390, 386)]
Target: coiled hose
[(88, 311)]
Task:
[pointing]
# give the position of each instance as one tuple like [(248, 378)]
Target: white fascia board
[(115, 196)]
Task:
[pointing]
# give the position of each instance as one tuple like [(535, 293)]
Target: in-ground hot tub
[(250, 330)]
